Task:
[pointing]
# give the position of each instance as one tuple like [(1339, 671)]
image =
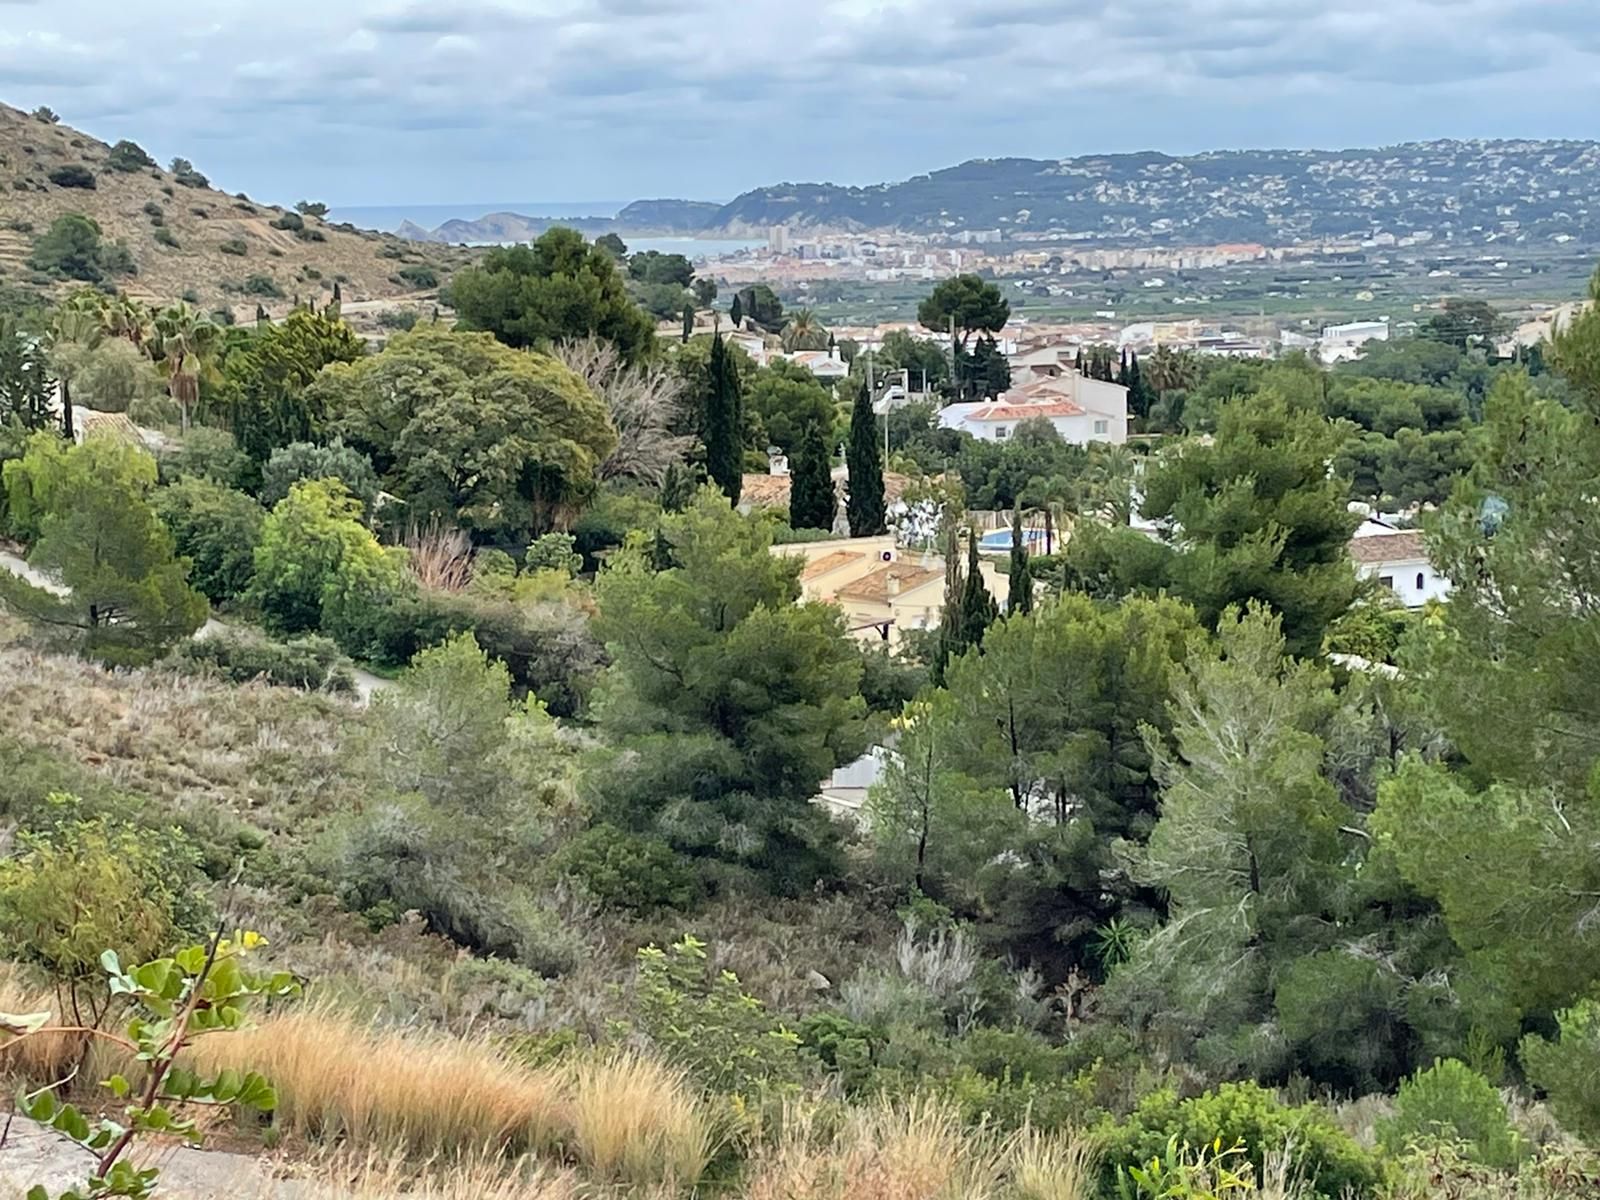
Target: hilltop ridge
[(185, 238)]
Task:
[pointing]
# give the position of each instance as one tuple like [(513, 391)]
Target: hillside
[(642, 217), (1517, 190), (220, 250)]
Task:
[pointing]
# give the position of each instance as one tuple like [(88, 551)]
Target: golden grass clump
[(1052, 1166), (406, 1089), (916, 1151), (638, 1121), (383, 1177)]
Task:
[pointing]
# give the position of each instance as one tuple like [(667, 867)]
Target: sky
[(364, 102)]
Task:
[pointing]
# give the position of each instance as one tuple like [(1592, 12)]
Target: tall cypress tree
[(864, 460), (1021, 598), (724, 453), (1122, 368), (688, 322), (736, 312), (950, 643), (1138, 390), (978, 609), (812, 503)]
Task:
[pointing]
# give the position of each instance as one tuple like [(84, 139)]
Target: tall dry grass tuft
[(383, 1177), (409, 1091), (51, 1057), (920, 1150), (1052, 1166), (439, 558), (638, 1121)]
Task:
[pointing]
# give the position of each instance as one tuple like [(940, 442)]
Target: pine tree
[(688, 322), (736, 313), (1021, 598), (864, 461), (724, 452), (978, 609), (812, 503)]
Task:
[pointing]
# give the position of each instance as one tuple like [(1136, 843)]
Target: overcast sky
[(461, 101)]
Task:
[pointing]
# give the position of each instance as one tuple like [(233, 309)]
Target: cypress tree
[(950, 643), (864, 461), (736, 313), (688, 322), (1122, 368), (1021, 598), (1078, 361), (1138, 390), (812, 503), (338, 296), (978, 609), (724, 451)]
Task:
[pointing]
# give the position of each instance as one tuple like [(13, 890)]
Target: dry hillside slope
[(225, 246)]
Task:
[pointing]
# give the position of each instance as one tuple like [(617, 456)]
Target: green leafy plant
[(1569, 1069), (200, 990), (1183, 1173), (1453, 1103)]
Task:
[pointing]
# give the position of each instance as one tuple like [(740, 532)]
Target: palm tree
[(75, 333), (124, 317), (189, 344), (804, 332), (1110, 483)]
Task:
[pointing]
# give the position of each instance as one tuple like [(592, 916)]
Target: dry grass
[(380, 1177), (637, 1121), (917, 1151), (1059, 1166), (408, 1090), (274, 756), (439, 558)]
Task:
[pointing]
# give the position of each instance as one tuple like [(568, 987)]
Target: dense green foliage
[(559, 288), (863, 458)]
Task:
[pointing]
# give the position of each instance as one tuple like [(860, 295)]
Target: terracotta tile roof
[(874, 586), (1404, 546), (828, 562), (107, 425), (1026, 412)]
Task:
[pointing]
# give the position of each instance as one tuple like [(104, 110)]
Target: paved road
[(366, 682)]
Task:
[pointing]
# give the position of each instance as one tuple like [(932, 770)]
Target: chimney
[(891, 585), (777, 462)]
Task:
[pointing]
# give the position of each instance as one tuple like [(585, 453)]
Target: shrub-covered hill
[(181, 236)]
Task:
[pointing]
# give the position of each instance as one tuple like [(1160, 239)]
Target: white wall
[(1413, 580)]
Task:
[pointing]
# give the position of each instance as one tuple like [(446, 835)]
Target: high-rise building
[(778, 239)]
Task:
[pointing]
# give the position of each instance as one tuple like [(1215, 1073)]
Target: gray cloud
[(404, 100)]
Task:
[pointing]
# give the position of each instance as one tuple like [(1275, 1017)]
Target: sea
[(388, 218)]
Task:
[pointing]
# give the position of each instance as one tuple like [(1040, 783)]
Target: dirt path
[(32, 1155)]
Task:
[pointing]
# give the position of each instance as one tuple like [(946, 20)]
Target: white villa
[(1398, 560), (1081, 409)]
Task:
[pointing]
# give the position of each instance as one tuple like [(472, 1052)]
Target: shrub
[(1569, 1070), (235, 247), (154, 211), (45, 115), (311, 663), (703, 1019), (186, 176), (1451, 1102), (128, 157), (312, 208), (290, 221), (390, 250), (399, 318), (303, 460), (73, 176), (207, 453), (166, 237), (84, 886), (419, 275), (70, 249), (626, 870), (310, 235), (216, 529), (261, 285), (552, 552), (1327, 1158)]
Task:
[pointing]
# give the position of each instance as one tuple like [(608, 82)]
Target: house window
[(1102, 426), (1387, 581), (999, 433), (1419, 581)]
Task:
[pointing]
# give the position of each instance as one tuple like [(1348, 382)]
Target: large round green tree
[(467, 431)]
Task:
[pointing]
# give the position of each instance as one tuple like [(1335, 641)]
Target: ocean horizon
[(389, 217)]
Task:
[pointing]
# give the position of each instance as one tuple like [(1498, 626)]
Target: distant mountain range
[(1474, 191)]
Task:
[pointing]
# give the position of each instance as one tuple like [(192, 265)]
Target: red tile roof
[(1405, 546), (1026, 412)]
